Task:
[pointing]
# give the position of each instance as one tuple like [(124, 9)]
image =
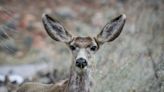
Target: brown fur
[(38, 87), (83, 42), (79, 79), (76, 83)]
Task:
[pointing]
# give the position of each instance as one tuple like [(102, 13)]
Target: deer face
[(83, 48)]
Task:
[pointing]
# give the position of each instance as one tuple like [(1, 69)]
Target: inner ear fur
[(112, 29), (55, 30)]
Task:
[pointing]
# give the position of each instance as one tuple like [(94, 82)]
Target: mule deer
[(83, 50)]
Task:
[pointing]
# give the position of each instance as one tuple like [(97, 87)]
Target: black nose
[(81, 63)]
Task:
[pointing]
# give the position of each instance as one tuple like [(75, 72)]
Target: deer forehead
[(83, 42)]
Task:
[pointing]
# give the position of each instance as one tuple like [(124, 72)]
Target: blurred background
[(134, 62)]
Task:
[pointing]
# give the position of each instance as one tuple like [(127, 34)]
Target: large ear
[(55, 30), (112, 29)]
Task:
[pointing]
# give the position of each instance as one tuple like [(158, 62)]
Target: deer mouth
[(81, 70)]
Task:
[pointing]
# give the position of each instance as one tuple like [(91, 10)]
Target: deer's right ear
[(55, 30)]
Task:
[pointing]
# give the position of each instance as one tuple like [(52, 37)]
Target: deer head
[(83, 48)]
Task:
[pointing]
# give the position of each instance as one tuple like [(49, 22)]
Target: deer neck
[(79, 82)]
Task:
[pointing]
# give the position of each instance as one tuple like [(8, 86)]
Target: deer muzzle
[(81, 63)]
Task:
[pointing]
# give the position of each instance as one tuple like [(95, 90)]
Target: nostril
[(81, 63), (85, 63)]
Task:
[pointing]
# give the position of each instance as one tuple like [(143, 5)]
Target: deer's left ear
[(112, 29), (55, 30)]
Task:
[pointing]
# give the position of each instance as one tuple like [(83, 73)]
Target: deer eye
[(93, 48), (72, 47)]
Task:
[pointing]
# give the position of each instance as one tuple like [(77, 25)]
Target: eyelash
[(93, 48), (72, 47)]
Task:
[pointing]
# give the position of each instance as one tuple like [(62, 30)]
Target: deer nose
[(81, 63)]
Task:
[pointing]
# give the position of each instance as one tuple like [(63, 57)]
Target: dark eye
[(72, 47), (93, 48)]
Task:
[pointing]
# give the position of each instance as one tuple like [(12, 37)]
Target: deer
[(83, 50)]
